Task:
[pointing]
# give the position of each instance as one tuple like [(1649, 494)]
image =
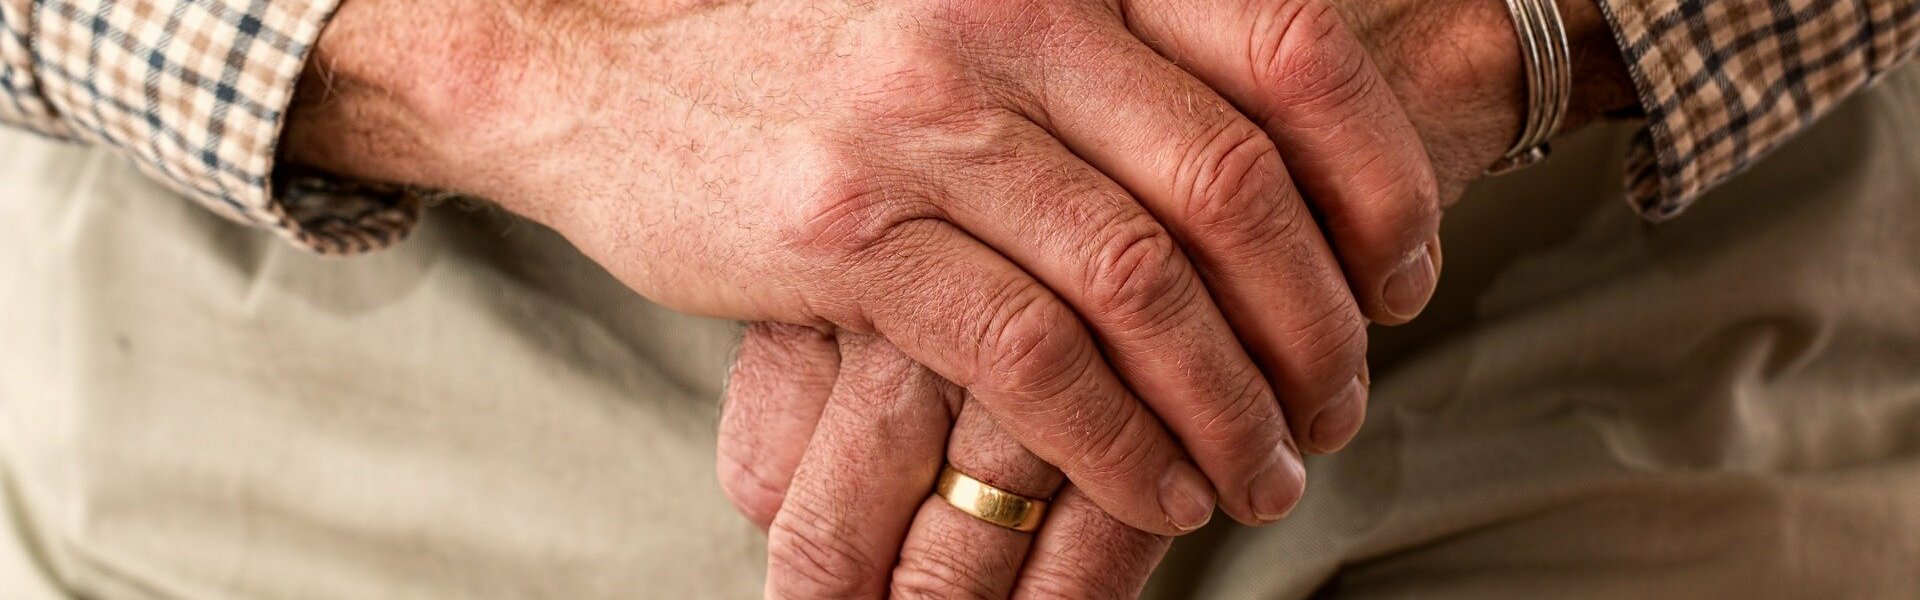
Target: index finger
[(868, 465), (775, 392), (1214, 179), (1296, 67)]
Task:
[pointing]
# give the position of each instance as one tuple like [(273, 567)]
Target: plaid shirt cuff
[(195, 92), (1723, 82)]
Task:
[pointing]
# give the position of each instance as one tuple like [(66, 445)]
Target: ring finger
[(1078, 550), (949, 552)]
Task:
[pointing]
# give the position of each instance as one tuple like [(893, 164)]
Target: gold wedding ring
[(988, 503)]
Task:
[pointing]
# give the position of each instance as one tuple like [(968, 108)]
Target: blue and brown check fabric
[(1723, 82), (196, 92)]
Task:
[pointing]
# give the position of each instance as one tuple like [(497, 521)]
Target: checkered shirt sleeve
[(1723, 82), (195, 92)]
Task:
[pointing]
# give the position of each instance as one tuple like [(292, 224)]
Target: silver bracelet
[(1548, 64)]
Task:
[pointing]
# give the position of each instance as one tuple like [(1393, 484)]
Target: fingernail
[(1411, 285), (1186, 497), (1336, 424), (1277, 488)]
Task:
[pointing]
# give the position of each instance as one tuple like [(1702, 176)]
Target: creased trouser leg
[(1725, 406), (191, 409)]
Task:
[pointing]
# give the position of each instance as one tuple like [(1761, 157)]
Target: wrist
[(396, 91), (1457, 67)]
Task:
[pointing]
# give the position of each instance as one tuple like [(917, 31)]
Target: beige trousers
[(1724, 406)]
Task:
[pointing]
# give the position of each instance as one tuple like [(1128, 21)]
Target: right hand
[(1021, 196), (831, 441)]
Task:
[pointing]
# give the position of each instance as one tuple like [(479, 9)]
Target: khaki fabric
[(196, 410), (1724, 406)]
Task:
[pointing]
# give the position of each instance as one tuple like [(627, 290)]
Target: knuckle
[(1137, 277), (1426, 195), (1281, 234), (755, 496), (1410, 224), (1115, 448), (1415, 198), (1004, 50), (1423, 199), (1036, 26), (1328, 348), (1112, 577), (1234, 185), (938, 570), (969, 16), (776, 362), (854, 210), (798, 341), (1397, 209), (884, 402), (969, 144), (807, 559), (1121, 559), (1247, 410), (1069, 40), (1051, 580), (1032, 344), (884, 386), (1305, 54), (932, 90), (935, 47)]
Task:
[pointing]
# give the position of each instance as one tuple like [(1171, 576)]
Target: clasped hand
[(1016, 236), (830, 439)]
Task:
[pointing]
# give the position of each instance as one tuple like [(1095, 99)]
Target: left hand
[(862, 523)]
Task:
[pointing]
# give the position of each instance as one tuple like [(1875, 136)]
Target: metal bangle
[(1546, 58)]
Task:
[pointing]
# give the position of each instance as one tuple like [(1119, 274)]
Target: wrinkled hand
[(1443, 60), (1022, 196), (873, 430)]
